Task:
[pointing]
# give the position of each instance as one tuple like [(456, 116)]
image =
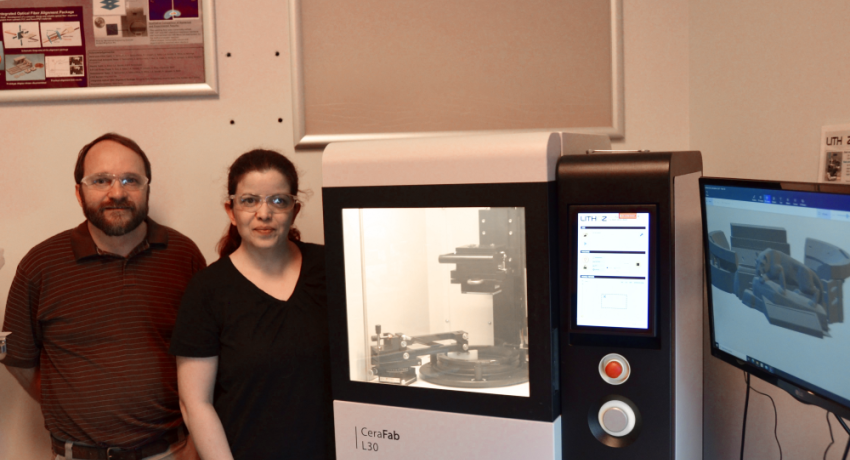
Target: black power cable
[(831, 437), (775, 417), (775, 420), (844, 425), (746, 406)]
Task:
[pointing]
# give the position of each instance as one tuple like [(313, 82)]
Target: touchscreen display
[(613, 270)]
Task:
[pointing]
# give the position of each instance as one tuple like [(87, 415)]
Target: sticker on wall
[(109, 7), (834, 164), (21, 35)]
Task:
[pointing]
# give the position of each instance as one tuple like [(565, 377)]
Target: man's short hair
[(125, 141)]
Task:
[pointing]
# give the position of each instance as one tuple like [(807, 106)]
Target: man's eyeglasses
[(277, 203), (104, 181)]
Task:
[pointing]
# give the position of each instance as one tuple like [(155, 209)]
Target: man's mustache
[(123, 203)]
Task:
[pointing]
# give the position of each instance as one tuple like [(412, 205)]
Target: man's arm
[(29, 378), (24, 347), (195, 384)]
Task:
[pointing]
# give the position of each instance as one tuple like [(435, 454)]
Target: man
[(91, 312)]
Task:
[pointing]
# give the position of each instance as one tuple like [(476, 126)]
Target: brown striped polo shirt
[(99, 326)]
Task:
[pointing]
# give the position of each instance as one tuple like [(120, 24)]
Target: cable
[(775, 420), (832, 438), (746, 406), (775, 416), (841, 421), (844, 425)]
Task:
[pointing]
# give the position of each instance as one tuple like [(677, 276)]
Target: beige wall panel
[(389, 66)]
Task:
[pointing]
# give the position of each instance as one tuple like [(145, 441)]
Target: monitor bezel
[(802, 390)]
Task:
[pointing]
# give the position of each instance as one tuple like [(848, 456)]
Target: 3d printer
[(441, 263)]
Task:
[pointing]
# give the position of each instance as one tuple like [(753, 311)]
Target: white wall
[(765, 75), (656, 67)]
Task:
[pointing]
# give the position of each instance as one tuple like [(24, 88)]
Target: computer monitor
[(777, 255)]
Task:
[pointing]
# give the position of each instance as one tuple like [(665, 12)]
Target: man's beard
[(118, 227)]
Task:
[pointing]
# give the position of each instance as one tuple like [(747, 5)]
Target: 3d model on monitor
[(832, 266), (803, 296)]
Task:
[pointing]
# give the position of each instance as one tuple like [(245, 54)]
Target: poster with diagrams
[(32, 36), (67, 44)]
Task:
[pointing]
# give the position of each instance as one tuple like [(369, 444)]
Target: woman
[(251, 338)]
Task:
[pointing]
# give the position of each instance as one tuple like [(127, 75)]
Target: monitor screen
[(776, 262), (612, 270)]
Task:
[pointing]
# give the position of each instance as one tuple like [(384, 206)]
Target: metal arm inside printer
[(495, 266)]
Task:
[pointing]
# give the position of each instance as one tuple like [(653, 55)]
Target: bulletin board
[(376, 69), (83, 49)]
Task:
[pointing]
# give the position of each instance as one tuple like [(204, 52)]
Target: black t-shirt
[(272, 391)]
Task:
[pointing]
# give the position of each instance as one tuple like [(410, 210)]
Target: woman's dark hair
[(256, 160)]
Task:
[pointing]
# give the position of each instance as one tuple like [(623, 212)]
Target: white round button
[(617, 418)]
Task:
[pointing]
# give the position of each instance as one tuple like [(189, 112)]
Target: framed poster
[(379, 69), (85, 49)]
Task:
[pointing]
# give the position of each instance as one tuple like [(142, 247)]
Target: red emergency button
[(614, 369)]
